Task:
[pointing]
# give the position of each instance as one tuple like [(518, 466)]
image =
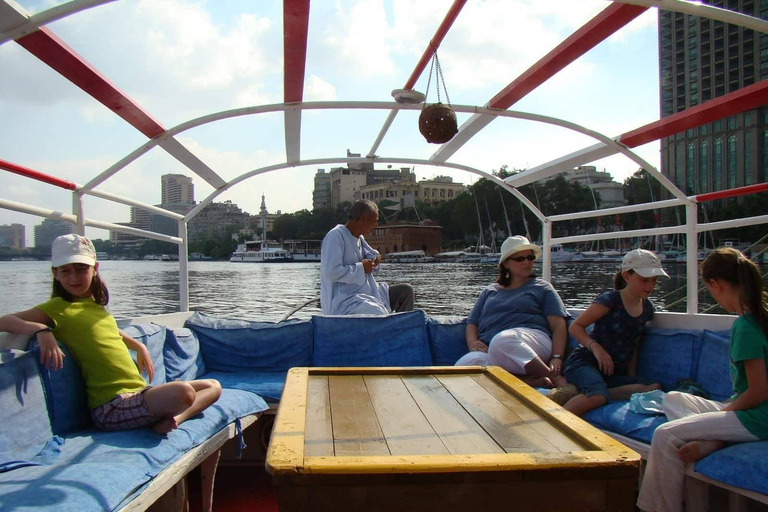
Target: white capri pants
[(691, 418), (512, 349)]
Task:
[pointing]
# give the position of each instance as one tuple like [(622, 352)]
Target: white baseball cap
[(643, 262), (72, 249), (515, 244)]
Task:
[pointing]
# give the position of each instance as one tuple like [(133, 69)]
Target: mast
[(506, 217), (492, 225), (480, 240)]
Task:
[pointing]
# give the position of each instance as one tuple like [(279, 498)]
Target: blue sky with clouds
[(183, 59)]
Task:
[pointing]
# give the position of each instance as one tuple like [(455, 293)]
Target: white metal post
[(692, 254), (546, 253), (77, 210), (183, 267)]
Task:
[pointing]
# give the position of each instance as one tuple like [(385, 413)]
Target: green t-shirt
[(91, 334), (748, 342)]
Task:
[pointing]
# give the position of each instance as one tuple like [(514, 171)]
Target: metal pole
[(691, 263), (77, 209), (183, 267), (546, 255)]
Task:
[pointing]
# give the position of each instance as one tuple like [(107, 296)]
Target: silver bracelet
[(590, 345)]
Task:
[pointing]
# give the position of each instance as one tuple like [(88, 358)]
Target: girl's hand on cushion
[(604, 359), (51, 355), (145, 362)]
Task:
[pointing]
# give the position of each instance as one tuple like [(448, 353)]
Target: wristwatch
[(556, 356)]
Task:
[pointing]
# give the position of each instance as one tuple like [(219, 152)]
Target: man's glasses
[(518, 259)]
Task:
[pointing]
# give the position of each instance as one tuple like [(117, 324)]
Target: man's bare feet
[(165, 425), (697, 450)]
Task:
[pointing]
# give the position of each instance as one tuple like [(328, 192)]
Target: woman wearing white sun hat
[(518, 322)]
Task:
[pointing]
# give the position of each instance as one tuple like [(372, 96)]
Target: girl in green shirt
[(118, 397), (700, 426)]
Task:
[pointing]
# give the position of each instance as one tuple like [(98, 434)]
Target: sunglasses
[(518, 259)]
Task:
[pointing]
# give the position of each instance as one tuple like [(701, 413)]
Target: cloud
[(317, 89), (165, 55), (360, 37)]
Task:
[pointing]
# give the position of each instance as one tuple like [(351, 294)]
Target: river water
[(269, 291)]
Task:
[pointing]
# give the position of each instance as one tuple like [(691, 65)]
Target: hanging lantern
[(437, 122)]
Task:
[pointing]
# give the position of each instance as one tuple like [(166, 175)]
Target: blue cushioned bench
[(667, 355), (53, 459), (54, 448), (253, 356)]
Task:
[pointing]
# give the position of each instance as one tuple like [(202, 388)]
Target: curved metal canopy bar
[(704, 11), (352, 105), (16, 23)]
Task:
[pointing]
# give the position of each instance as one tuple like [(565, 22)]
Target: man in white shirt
[(347, 285)]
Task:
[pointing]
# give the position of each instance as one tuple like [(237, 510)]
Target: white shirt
[(345, 288)]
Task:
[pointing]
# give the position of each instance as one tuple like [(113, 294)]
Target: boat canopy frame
[(31, 33)]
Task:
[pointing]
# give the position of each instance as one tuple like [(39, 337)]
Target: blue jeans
[(591, 381)]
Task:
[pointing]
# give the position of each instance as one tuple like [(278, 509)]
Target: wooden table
[(370, 439)]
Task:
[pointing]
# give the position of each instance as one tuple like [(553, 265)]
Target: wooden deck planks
[(506, 427), (318, 437), (404, 425), (356, 429), (458, 431), (558, 439)]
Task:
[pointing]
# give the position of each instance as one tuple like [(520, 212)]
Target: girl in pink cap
[(118, 397), (603, 367)]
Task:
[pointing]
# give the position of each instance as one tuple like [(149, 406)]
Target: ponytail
[(730, 265), (619, 283)]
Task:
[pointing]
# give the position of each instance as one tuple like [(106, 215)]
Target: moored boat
[(418, 256), (259, 251)]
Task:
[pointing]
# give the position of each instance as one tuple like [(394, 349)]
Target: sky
[(181, 59)]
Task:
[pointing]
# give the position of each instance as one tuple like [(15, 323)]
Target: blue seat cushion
[(393, 340), (151, 336), (97, 471), (667, 355), (66, 395), (230, 345), (447, 340), (182, 355), (268, 385), (712, 371), (617, 417), (742, 465), (26, 427)]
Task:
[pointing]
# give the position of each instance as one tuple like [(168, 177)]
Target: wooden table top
[(428, 420)]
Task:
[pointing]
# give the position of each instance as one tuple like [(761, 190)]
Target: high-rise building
[(176, 189), (701, 59), (46, 232), (13, 235), (321, 195)]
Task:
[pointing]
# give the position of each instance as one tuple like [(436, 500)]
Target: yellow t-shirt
[(91, 334)]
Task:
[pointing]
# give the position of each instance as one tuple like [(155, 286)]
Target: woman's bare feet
[(697, 450), (536, 382), (165, 425)]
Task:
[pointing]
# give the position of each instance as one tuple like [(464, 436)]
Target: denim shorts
[(591, 381)]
